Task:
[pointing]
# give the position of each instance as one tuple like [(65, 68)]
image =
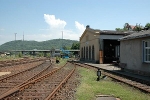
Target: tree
[(119, 29), (147, 25), (126, 27), (20, 54), (75, 45), (138, 27)]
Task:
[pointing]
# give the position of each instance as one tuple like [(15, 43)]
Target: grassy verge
[(7, 58), (89, 88)]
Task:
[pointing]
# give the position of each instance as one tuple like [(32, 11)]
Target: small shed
[(135, 52)]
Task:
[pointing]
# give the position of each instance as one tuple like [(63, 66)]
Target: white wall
[(131, 53)]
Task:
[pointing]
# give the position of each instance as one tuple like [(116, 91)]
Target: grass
[(7, 58), (89, 88), (62, 62)]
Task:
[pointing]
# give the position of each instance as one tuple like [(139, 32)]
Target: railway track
[(8, 63), (44, 87), (12, 81), (137, 83), (18, 68)]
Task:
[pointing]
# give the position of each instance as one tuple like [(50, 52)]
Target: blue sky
[(42, 20)]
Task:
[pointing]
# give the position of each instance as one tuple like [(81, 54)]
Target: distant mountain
[(30, 45)]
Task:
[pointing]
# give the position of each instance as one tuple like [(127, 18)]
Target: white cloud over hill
[(57, 27), (54, 31)]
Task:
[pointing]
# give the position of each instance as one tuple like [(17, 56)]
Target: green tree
[(119, 29), (147, 25), (40, 54), (48, 55), (75, 45), (20, 54), (138, 27), (64, 47), (125, 27)]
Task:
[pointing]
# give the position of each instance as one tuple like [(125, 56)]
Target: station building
[(135, 52), (100, 46)]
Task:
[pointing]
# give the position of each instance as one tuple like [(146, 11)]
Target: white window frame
[(146, 51)]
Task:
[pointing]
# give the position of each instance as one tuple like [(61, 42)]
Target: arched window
[(82, 53), (93, 52), (86, 52), (89, 52)]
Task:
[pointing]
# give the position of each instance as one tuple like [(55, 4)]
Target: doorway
[(111, 50)]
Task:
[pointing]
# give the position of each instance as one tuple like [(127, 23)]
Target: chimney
[(88, 26)]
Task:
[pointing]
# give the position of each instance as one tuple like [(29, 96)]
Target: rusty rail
[(19, 61), (125, 79), (60, 85), (15, 74), (25, 84)]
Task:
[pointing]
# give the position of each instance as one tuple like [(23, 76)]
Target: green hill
[(30, 45)]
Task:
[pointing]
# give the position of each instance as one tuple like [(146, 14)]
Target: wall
[(92, 40), (131, 53)]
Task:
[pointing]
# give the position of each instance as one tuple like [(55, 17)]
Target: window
[(93, 52), (117, 50), (87, 53), (146, 51), (82, 53)]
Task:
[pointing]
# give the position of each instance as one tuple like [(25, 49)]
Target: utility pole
[(62, 34), (23, 43), (23, 35), (15, 44), (62, 44)]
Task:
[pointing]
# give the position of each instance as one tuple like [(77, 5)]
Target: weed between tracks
[(89, 88)]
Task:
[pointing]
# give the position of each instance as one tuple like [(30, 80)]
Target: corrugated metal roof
[(113, 32), (141, 34)]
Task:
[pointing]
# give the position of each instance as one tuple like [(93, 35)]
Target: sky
[(42, 20)]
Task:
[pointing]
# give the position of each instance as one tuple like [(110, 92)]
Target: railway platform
[(116, 69)]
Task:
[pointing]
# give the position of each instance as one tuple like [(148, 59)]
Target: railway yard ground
[(70, 80)]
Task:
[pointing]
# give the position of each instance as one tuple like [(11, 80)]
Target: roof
[(132, 27), (105, 32), (136, 35), (113, 32), (94, 31)]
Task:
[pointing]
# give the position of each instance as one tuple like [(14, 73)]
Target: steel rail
[(60, 85), (15, 74), (17, 87), (29, 83), (138, 85), (17, 62), (125, 79)]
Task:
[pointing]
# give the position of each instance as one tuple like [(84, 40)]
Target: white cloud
[(54, 31), (79, 26), (56, 26), (53, 22)]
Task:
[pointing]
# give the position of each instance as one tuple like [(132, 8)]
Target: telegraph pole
[(23, 43), (62, 44), (15, 44), (62, 34)]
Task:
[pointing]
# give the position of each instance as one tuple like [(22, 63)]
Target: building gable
[(89, 34)]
